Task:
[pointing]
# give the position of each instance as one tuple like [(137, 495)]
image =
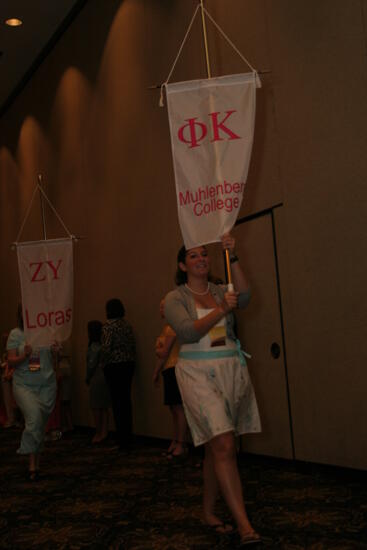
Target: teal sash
[(216, 354)]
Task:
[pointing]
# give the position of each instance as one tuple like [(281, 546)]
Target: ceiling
[(23, 48)]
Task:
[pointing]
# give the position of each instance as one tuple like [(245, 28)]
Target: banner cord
[(39, 188), (225, 36), (258, 82), (161, 102), (27, 213), (55, 212)]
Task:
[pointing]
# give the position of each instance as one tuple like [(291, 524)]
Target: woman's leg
[(104, 423), (33, 434), (210, 487), (8, 402), (119, 378), (180, 429), (111, 374), (127, 418), (98, 424), (66, 417), (34, 465), (175, 430), (211, 490), (32, 462), (223, 453), (36, 405)]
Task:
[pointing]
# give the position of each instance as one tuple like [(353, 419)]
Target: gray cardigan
[(180, 312)]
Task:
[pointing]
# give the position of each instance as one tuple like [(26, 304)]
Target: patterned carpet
[(94, 497)]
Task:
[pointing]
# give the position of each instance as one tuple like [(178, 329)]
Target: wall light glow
[(13, 22)]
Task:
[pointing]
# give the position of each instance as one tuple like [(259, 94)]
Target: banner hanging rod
[(159, 86)]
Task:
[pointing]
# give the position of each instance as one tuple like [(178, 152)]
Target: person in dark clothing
[(118, 356)]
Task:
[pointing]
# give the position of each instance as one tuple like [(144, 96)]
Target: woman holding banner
[(216, 390), (34, 388)]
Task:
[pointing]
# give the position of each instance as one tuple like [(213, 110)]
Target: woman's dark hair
[(115, 309), (181, 276), (20, 322), (94, 331)]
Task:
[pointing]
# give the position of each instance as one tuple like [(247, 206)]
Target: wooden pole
[(209, 73), (205, 37)]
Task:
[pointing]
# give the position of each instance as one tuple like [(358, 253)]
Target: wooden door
[(260, 332)]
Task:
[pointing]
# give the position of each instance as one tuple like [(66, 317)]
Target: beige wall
[(89, 123)]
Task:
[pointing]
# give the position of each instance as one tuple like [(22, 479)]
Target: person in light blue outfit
[(213, 377), (34, 388)]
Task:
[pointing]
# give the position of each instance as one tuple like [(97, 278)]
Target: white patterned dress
[(215, 385)]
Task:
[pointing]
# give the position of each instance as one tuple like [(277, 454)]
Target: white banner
[(212, 127), (46, 279)]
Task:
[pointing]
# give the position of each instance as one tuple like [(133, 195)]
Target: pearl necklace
[(198, 293)]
